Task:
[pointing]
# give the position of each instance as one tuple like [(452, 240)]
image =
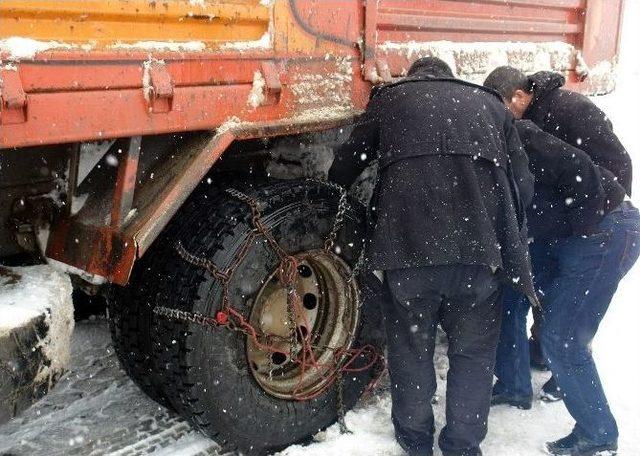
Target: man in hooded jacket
[(449, 231)]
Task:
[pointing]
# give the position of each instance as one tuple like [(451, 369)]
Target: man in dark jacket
[(574, 119), (570, 199), (452, 174), (585, 240), (568, 115)]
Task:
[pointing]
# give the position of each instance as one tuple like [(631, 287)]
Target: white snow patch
[(35, 291), (581, 65), (78, 202), (257, 94), (146, 76), (326, 114), (173, 46), (72, 270), (192, 443), (230, 124), (473, 61), (601, 78), (372, 435), (242, 46), (334, 87), (19, 48)]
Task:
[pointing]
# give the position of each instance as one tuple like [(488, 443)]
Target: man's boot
[(499, 397), (551, 391), (572, 445)]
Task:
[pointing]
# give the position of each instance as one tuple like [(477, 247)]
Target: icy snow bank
[(30, 293)]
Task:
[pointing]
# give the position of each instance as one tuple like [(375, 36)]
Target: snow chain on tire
[(233, 320)]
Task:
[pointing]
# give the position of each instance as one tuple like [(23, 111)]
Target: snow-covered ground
[(96, 410)]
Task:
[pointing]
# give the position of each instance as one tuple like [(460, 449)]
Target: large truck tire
[(36, 323), (244, 397), (130, 312)]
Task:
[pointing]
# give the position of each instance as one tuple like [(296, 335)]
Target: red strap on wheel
[(222, 318)]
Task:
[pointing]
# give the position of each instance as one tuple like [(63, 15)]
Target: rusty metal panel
[(602, 30), (206, 93), (569, 34), (125, 185), (481, 20)]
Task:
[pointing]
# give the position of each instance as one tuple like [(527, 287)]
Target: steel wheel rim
[(330, 304)]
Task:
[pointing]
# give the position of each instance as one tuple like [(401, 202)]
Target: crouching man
[(586, 238), (452, 174)]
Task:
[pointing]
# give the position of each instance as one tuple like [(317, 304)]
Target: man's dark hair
[(506, 80), (431, 65)]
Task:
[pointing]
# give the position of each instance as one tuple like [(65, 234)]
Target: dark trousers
[(465, 300), (577, 278), (513, 359)]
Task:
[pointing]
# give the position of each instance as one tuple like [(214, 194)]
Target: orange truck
[(143, 149)]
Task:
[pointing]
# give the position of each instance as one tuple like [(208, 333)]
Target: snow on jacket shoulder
[(576, 120)]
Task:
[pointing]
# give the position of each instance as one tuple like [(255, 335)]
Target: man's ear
[(523, 99), (520, 94)]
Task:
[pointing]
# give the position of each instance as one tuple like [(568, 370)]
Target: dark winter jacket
[(570, 198), (448, 153), (574, 118)]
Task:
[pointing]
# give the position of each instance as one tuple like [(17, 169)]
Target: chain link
[(342, 409), (288, 268), (355, 271), (338, 221)]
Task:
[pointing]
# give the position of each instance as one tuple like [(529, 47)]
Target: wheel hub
[(329, 312)]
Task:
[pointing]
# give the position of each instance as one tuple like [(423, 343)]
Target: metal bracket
[(13, 99), (382, 67), (158, 89), (125, 185), (377, 71), (273, 85)]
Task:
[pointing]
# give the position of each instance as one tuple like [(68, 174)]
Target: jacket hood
[(544, 82)]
